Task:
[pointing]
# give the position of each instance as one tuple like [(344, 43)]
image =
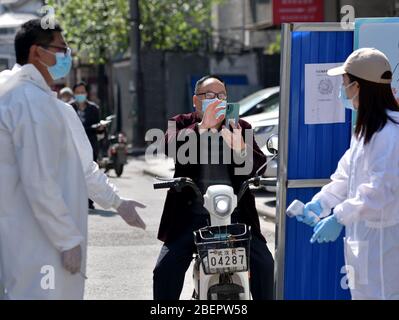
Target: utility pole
[(136, 82)]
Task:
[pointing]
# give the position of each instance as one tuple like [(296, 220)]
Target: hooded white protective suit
[(364, 193), (4, 77), (100, 189), (45, 169)]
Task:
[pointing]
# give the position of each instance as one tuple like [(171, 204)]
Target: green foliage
[(176, 24), (99, 29), (274, 47)]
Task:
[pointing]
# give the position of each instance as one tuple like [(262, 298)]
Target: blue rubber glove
[(326, 230), (307, 217)]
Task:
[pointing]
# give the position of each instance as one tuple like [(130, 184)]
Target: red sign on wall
[(298, 11)]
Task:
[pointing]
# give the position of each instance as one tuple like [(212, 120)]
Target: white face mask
[(346, 102)]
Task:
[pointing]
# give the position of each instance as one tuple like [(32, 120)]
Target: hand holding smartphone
[(232, 113)]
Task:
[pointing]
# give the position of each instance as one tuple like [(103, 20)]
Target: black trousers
[(176, 256), (95, 156)]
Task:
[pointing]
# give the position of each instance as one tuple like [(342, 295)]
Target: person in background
[(66, 95), (89, 114)]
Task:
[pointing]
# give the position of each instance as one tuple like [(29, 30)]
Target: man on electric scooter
[(182, 214)]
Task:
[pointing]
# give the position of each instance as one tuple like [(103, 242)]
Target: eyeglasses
[(64, 50), (213, 95)]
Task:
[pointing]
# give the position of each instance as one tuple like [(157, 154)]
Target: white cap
[(365, 63), (66, 90)]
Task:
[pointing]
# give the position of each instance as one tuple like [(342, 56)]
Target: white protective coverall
[(46, 170), (364, 193)]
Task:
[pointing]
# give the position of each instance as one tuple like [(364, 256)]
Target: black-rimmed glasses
[(213, 95)]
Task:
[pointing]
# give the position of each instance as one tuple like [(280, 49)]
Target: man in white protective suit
[(47, 174)]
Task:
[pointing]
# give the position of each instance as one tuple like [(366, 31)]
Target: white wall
[(26, 6), (244, 64)]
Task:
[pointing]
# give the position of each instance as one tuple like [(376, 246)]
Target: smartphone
[(232, 113)]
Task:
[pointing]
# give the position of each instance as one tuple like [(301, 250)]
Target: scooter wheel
[(118, 169)]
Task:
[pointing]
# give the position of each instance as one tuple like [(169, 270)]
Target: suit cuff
[(117, 202), (326, 204), (344, 218)]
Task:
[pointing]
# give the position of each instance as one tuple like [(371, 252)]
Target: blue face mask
[(62, 66), (80, 98), (346, 102), (207, 102)]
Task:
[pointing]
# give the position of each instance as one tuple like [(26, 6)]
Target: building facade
[(13, 13), (250, 24)]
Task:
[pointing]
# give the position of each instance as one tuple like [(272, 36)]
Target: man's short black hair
[(79, 84), (203, 79), (31, 33)]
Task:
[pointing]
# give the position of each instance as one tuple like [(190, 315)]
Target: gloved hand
[(327, 230), (72, 259), (307, 217), (127, 210)]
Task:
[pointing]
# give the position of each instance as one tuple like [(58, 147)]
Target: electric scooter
[(221, 268), (113, 148)]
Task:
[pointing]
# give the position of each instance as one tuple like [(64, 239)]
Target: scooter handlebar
[(163, 185), (256, 181), (178, 184), (267, 182)]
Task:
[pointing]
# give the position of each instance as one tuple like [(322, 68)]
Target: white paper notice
[(322, 104)]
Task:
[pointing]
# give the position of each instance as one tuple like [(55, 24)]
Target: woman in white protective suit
[(364, 192)]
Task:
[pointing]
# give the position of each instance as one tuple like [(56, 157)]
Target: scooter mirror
[(111, 117), (272, 144), (105, 122)]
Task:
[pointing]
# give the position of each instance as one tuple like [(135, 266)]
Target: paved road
[(121, 258)]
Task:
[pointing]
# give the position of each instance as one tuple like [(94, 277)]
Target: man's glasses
[(213, 95), (64, 50)]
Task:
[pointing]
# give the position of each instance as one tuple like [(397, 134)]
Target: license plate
[(224, 260)]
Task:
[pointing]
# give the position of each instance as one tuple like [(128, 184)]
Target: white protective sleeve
[(37, 157), (337, 190), (382, 174), (100, 189)]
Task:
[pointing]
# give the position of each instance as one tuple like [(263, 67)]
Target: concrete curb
[(155, 173), (270, 217)]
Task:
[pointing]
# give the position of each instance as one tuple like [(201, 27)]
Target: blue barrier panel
[(313, 271)]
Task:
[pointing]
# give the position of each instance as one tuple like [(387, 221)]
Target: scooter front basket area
[(224, 249)]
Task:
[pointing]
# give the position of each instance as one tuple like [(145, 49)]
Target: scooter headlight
[(222, 205)]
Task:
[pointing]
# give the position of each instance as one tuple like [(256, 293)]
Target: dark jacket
[(90, 116), (178, 209)]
